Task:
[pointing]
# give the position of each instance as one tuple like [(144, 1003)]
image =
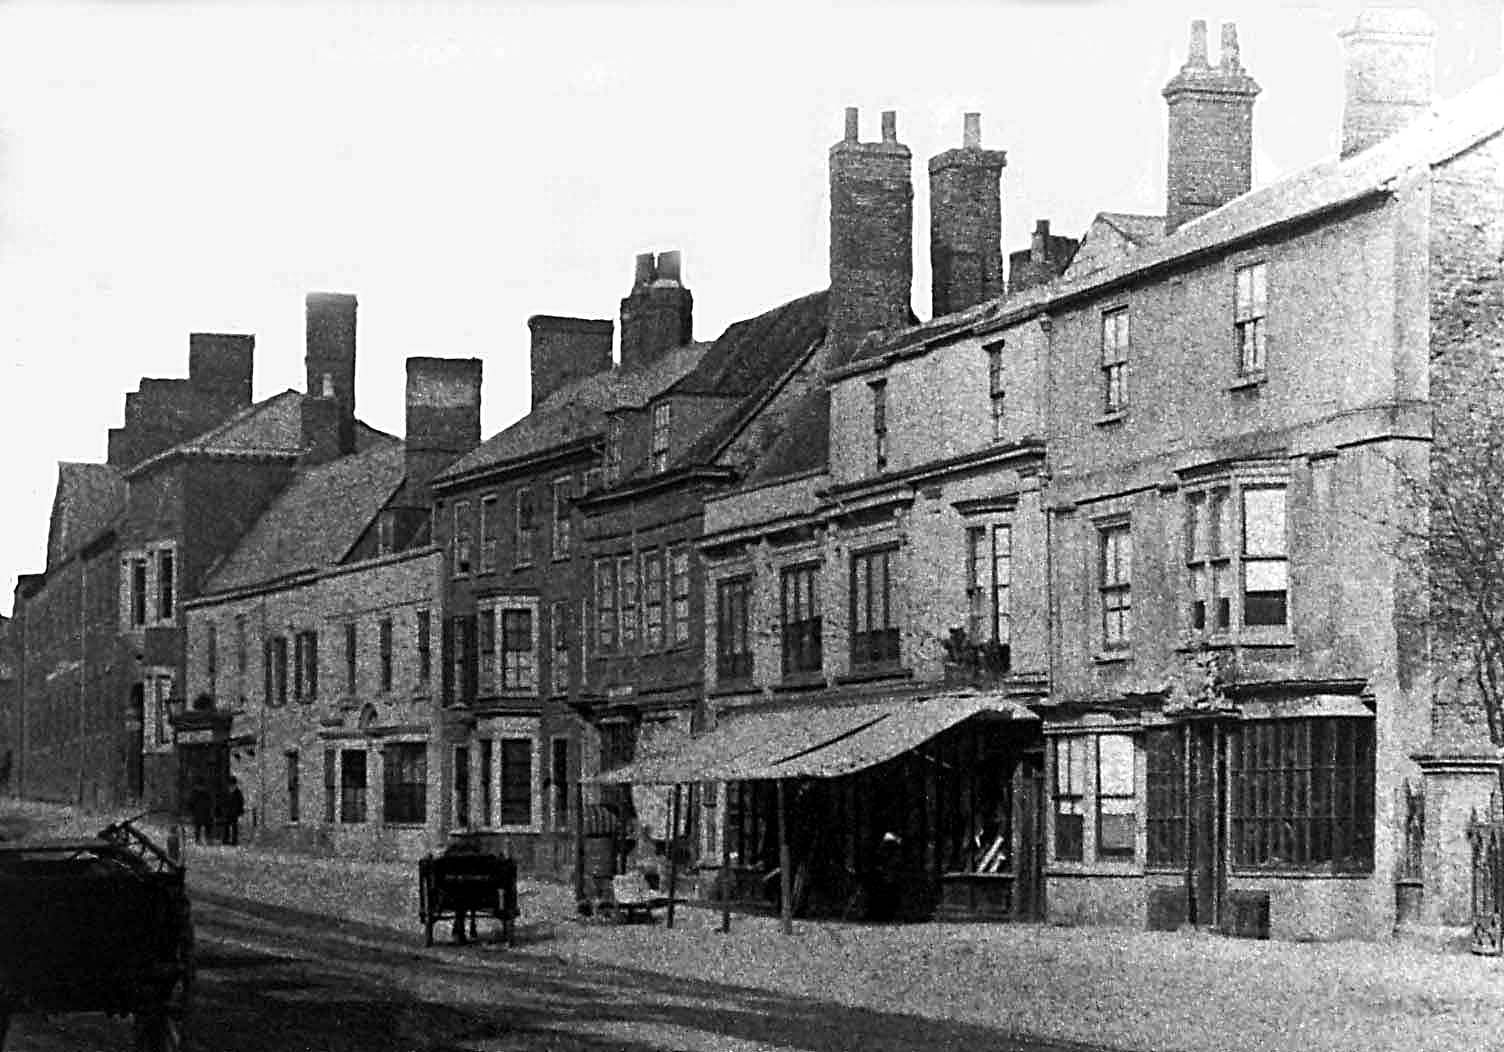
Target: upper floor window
[(995, 393), (874, 621), (386, 532), (1117, 815), (404, 773), (211, 655), (242, 634), (524, 527), (1236, 535), (485, 645), (1115, 360), (306, 665), (605, 603), (652, 600), (384, 640), (679, 589), (989, 579), (626, 576), (612, 465), (490, 529), (350, 657), (662, 419), (1115, 577), (799, 617), (733, 640), (879, 390), (1265, 564), (519, 661), (1248, 316), (148, 586), (274, 662), (461, 548), (561, 523), (425, 647)]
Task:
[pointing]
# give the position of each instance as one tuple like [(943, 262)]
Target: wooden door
[(1029, 825)]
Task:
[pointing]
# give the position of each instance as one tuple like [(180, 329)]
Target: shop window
[(516, 782), (405, 783), (1116, 805), (352, 785), (1165, 814), (1070, 798), (1302, 794), (462, 786), (290, 764)]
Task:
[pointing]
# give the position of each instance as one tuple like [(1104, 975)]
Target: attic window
[(662, 417), (326, 385)]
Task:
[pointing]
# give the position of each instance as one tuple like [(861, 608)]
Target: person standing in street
[(234, 808), (201, 810)]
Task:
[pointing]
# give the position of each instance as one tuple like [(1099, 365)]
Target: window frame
[(1217, 557), (460, 552), (801, 638), (404, 783), (611, 457), (562, 493), (1250, 318), (680, 598), (424, 630), (1102, 796), (1068, 797), (733, 635), (505, 819), (293, 784), (1115, 585), (1116, 331), (354, 802), (879, 394), (996, 393), (490, 542), (662, 424), (524, 526), (607, 617), (653, 628), (874, 648), (989, 583)]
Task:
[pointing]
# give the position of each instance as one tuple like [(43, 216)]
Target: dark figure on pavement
[(884, 890), (201, 810), (234, 807)]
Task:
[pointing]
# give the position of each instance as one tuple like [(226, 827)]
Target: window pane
[(1264, 575), (1115, 762), (1264, 521)]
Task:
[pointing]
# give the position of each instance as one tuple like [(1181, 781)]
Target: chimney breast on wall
[(330, 360), (871, 234), (1210, 154), (565, 350), (966, 223), (658, 314), (1390, 77)]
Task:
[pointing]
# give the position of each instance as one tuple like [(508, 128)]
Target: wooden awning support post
[(785, 877), (673, 869), (726, 880)]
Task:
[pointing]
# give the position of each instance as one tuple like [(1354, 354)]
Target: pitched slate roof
[(1450, 129), (575, 411), (270, 427), (87, 499), (803, 445), (316, 520), (1136, 228), (747, 363)]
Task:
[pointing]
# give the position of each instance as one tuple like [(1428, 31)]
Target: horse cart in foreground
[(96, 925), (464, 883)]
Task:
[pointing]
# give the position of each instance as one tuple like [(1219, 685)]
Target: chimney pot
[(668, 267), (890, 126), (1196, 59), (971, 137), (645, 271), (1230, 60), (853, 123)]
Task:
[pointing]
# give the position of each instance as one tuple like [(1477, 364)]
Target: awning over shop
[(1306, 705), (811, 742)]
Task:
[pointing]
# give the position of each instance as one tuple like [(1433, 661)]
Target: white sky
[(199, 167)]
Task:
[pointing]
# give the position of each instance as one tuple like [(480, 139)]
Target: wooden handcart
[(459, 887), (96, 925)]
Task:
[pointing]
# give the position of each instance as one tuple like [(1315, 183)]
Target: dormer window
[(662, 417)]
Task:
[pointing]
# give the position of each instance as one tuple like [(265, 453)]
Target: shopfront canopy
[(810, 742)]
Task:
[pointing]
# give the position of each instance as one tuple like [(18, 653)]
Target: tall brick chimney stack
[(1210, 157), (1391, 74), (871, 233), (565, 350), (443, 419), (966, 223), (658, 314), (330, 362)]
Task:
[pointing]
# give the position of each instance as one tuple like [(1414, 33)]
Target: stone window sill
[(1113, 657), (1249, 381), (1113, 418)]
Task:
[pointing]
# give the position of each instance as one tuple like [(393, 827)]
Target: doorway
[(1206, 827)]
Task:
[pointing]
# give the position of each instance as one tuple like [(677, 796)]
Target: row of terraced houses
[(1087, 589)]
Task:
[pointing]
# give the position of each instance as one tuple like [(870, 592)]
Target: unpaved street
[(270, 978)]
